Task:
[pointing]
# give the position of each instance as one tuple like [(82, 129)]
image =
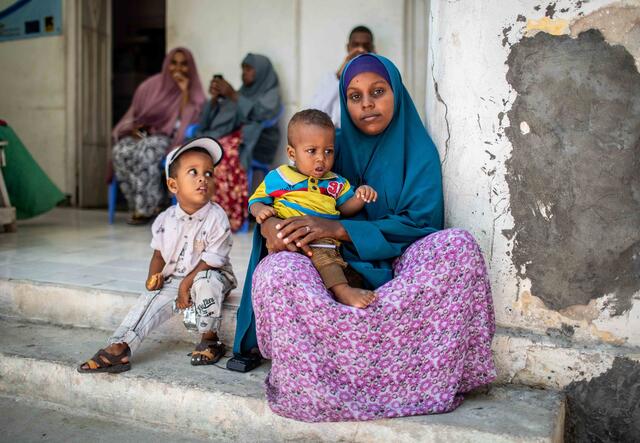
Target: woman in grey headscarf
[(253, 108)]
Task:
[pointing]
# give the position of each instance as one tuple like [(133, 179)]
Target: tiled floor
[(78, 247)]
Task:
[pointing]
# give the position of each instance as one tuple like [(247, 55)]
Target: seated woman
[(162, 108), (426, 339), (257, 101)]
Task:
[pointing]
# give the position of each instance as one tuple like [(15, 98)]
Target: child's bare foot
[(114, 358), (358, 298)]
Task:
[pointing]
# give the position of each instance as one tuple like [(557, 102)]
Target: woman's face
[(370, 103), (178, 66), (248, 74)]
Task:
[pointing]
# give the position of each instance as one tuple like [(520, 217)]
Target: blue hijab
[(402, 165)]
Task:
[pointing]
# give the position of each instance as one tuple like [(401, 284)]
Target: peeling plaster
[(573, 181), (619, 24), (545, 24), (581, 320)]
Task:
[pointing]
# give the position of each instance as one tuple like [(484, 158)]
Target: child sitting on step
[(190, 266)]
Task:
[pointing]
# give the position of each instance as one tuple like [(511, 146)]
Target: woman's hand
[(182, 81), (302, 231), (214, 91), (225, 89), (270, 234)]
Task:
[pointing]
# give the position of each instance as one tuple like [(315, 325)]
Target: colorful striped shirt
[(292, 193)]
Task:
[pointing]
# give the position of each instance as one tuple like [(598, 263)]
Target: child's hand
[(184, 299), (155, 282), (366, 193), (265, 213)]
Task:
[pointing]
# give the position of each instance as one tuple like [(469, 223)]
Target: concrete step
[(38, 361), (521, 357), (88, 307), (28, 421)]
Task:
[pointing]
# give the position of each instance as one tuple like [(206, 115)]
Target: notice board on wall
[(30, 18)]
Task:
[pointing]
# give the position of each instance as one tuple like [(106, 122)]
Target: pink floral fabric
[(416, 350)]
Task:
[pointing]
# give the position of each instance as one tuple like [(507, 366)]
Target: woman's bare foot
[(358, 298)]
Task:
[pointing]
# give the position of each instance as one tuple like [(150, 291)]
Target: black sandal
[(102, 361), (207, 352)]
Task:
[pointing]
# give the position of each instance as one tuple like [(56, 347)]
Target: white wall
[(33, 100)]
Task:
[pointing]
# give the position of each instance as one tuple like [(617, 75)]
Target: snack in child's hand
[(155, 281)]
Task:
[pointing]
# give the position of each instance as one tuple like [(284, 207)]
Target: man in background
[(327, 97)]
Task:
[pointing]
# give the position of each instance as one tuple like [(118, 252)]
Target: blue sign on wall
[(30, 18)]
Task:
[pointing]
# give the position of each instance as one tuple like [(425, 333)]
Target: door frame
[(74, 96)]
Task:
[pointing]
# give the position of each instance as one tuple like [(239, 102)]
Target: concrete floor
[(78, 248), (27, 421)]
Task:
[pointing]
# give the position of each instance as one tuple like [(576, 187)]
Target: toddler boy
[(311, 188)]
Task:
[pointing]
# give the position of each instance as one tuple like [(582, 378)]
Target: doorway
[(138, 48)]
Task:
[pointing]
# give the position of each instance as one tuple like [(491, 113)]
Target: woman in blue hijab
[(426, 340)]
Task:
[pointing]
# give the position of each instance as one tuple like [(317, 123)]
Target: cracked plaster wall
[(469, 104)]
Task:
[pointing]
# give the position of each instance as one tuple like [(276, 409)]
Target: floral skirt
[(417, 349), (231, 181)]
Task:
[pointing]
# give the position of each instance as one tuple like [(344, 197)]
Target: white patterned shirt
[(184, 240)]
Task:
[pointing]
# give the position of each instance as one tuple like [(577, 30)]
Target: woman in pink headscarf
[(162, 108)]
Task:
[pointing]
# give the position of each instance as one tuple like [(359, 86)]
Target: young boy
[(310, 188), (190, 265)]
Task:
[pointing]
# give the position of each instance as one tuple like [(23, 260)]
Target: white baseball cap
[(210, 144)]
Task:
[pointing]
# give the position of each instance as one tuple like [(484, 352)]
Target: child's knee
[(208, 293), (206, 282)]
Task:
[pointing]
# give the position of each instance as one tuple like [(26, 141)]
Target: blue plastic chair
[(190, 132)]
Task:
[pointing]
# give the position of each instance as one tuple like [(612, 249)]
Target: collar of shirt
[(199, 215), (292, 176)]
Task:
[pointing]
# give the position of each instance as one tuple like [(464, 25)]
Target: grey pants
[(154, 308), (137, 166)]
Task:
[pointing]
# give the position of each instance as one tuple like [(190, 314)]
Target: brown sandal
[(207, 352), (102, 361)]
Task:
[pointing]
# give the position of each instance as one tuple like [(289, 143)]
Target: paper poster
[(30, 18)]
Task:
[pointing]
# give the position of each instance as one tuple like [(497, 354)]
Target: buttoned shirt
[(292, 193), (184, 240)]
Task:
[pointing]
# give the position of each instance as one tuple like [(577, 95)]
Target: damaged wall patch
[(573, 179)]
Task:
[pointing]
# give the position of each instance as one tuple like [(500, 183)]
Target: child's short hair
[(173, 167), (313, 117)]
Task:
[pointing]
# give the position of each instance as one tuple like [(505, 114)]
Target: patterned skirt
[(416, 350), (231, 181)]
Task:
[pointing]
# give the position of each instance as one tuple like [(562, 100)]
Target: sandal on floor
[(207, 353), (102, 361), (137, 220)]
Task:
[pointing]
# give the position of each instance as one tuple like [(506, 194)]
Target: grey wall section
[(574, 175)]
